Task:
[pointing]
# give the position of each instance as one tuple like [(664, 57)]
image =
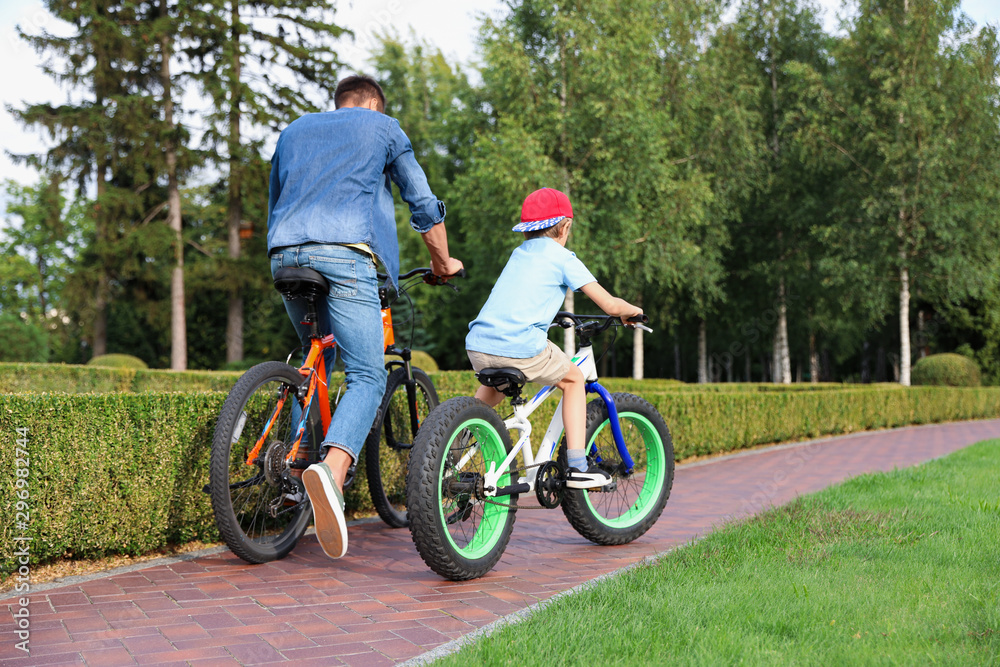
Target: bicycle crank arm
[(510, 490)]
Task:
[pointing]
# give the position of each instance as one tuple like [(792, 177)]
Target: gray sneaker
[(328, 509), (592, 478)]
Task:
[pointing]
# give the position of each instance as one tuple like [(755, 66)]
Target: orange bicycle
[(273, 422)]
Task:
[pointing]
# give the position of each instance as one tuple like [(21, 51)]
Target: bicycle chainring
[(549, 485)]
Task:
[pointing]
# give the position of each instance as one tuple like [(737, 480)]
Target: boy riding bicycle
[(511, 329)]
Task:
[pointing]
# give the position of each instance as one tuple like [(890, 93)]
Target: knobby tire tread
[(422, 491), (574, 504), (373, 450), (225, 517)]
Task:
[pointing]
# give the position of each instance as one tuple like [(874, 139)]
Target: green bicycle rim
[(494, 518), (652, 483)]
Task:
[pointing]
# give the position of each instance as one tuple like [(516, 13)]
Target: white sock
[(575, 458)]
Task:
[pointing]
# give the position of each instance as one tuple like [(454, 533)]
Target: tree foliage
[(796, 201)]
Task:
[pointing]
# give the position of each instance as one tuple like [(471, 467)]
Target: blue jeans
[(354, 316)]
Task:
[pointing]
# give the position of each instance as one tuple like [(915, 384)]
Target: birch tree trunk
[(782, 364), (702, 352), (178, 325), (813, 359), (904, 323), (638, 354), (100, 340), (234, 322)]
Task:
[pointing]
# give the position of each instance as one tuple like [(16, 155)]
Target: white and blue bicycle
[(463, 483)]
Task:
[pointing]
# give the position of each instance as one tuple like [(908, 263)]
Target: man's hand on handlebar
[(447, 269)]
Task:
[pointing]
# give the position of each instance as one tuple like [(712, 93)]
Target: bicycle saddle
[(506, 380), (297, 282)]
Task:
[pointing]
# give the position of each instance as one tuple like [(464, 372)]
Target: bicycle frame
[(584, 359), (318, 393)]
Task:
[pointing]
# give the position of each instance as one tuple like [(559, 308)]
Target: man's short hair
[(551, 232), (357, 90)]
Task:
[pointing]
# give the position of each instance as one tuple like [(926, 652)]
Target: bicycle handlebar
[(429, 277), (590, 325)]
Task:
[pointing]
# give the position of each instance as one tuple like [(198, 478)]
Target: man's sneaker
[(592, 478), (328, 509)]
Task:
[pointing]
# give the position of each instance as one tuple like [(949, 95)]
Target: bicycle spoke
[(251, 492)]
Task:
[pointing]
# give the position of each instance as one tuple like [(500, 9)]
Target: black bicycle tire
[(225, 516), (580, 513), (422, 490), (387, 511)]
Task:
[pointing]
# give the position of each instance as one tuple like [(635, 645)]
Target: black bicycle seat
[(502, 379), (295, 282)]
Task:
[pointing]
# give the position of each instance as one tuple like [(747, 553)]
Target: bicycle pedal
[(608, 488)]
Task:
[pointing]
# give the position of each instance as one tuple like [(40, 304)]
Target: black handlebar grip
[(638, 319)]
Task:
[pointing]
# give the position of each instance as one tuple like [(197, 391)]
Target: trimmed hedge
[(123, 473), (108, 474), (72, 379), (946, 370)]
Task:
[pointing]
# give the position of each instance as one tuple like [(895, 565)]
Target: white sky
[(451, 25)]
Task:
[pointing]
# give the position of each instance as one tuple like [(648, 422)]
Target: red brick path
[(380, 604)]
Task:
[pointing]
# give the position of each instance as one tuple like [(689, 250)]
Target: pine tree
[(101, 140), (166, 34), (261, 63)]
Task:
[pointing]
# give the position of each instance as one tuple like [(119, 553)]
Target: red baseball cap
[(542, 209)]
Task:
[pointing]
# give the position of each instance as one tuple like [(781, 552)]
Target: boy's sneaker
[(328, 509), (592, 478)]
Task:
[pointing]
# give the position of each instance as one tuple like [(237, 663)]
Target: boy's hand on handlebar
[(631, 315), (447, 269)]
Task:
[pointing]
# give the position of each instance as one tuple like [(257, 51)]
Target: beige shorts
[(546, 368)]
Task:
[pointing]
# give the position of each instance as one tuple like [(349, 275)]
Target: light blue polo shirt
[(527, 295)]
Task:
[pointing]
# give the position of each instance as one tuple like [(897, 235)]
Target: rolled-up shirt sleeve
[(426, 210)]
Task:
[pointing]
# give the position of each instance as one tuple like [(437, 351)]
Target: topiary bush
[(118, 361), (21, 341), (946, 370)]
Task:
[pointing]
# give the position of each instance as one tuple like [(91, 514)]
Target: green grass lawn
[(895, 568)]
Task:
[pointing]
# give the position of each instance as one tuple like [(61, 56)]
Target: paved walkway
[(381, 605)]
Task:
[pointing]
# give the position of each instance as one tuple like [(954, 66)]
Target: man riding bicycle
[(330, 209)]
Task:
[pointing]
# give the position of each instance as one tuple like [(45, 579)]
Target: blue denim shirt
[(330, 183)]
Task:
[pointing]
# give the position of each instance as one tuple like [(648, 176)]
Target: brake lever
[(436, 280)]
